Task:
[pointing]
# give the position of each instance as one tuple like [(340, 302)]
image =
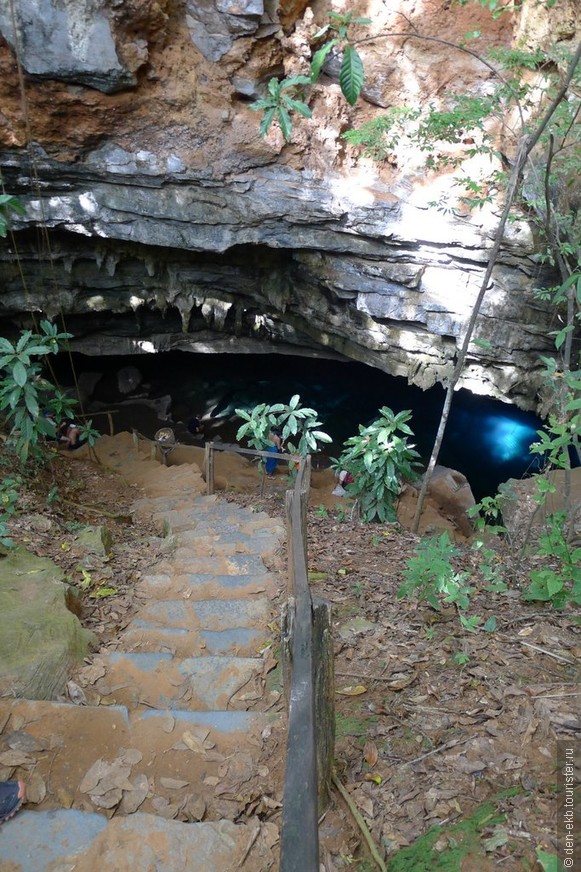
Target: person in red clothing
[(343, 478)]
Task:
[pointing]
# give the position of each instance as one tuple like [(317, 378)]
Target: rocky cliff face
[(163, 221)]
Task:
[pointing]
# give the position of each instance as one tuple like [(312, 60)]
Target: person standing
[(276, 446)]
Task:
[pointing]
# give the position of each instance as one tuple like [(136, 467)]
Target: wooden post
[(324, 697), (209, 464), (286, 637), (289, 497)]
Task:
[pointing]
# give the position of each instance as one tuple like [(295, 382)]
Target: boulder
[(80, 49), (95, 540), (448, 498), (522, 514), (40, 639)]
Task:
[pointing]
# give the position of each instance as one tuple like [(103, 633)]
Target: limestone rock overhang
[(138, 258)]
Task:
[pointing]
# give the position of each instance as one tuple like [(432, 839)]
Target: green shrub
[(298, 426), (379, 459)]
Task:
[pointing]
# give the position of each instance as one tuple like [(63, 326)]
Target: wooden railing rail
[(307, 654)]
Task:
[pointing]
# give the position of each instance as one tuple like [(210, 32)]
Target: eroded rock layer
[(167, 223)]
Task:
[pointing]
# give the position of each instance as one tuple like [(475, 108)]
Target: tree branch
[(525, 147)]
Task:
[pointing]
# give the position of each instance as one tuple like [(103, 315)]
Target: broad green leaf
[(38, 349), (321, 32), (284, 123), (24, 337), (266, 122), (319, 59), (352, 75), (32, 405), (294, 401), (274, 88), (298, 106), (548, 862), (19, 373), (554, 585), (261, 104), (293, 81)]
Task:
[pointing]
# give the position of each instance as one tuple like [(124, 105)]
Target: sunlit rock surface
[(170, 224)]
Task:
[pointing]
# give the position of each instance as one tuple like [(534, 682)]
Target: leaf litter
[(423, 741)]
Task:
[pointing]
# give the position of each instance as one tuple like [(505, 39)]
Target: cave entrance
[(486, 440)]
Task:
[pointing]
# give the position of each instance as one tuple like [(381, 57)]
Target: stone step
[(204, 615), (186, 560), (146, 636), (68, 839), (148, 760), (228, 544), (197, 586), (164, 682)]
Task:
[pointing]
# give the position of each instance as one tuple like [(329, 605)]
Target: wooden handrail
[(308, 678), (299, 842)]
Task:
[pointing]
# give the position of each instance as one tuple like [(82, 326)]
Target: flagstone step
[(204, 615), (164, 682), (203, 543), (144, 635), (198, 586), (101, 758), (68, 839), (208, 520), (187, 560)]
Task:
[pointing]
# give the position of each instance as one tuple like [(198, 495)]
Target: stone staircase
[(173, 760)]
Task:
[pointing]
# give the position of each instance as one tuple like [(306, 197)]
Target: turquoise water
[(486, 440)]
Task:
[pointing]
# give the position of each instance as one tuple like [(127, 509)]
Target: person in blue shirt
[(276, 446)]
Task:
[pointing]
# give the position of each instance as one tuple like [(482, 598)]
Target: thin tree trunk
[(526, 145)]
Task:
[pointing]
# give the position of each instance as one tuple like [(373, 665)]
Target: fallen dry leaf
[(352, 690), (194, 743), (16, 758), (370, 753), (35, 788), (133, 799), (173, 783)]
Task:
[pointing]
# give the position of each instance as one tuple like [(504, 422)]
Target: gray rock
[(214, 26), (94, 540), (71, 41), (374, 278)]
